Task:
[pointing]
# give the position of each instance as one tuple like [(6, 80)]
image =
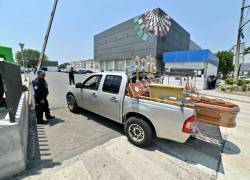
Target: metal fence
[(12, 86)]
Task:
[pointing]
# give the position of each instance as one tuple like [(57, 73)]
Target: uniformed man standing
[(71, 76), (41, 92)]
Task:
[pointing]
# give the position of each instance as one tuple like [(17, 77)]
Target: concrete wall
[(11, 78), (13, 141), (185, 65), (52, 68)]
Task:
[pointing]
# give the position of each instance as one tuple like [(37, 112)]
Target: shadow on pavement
[(102, 120), (55, 121), (197, 152), (230, 148), (38, 149), (193, 151)]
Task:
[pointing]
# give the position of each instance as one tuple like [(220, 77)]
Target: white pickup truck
[(106, 94)]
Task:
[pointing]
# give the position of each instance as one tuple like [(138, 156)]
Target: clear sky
[(211, 23)]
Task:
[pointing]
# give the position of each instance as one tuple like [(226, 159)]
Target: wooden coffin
[(216, 111), (163, 91), (211, 111)]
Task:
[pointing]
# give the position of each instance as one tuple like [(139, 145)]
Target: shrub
[(226, 87), (247, 81), (230, 81), (24, 88), (244, 86), (240, 82)]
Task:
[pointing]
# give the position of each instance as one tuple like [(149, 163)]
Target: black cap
[(40, 72)]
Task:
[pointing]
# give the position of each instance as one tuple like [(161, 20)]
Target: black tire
[(138, 123), (72, 105)]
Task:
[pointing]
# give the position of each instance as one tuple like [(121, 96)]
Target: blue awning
[(204, 55)]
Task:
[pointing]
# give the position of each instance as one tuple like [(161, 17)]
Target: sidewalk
[(235, 157), (118, 159), (217, 94), (237, 142)]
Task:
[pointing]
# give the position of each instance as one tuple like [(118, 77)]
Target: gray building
[(151, 33)]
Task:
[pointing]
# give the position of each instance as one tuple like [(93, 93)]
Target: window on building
[(120, 65), (112, 84)]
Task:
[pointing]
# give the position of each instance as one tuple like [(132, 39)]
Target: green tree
[(247, 51), (63, 66), (225, 62), (30, 55)]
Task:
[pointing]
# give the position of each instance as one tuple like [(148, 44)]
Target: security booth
[(6, 54), (10, 90), (200, 64)]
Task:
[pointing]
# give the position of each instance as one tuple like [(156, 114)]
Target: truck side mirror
[(78, 85)]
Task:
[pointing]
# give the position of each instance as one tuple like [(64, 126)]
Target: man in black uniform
[(71, 76), (41, 92)]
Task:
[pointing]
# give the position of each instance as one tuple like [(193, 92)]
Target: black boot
[(50, 117), (42, 122)]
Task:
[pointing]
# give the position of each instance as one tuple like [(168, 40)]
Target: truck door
[(110, 97), (89, 93)]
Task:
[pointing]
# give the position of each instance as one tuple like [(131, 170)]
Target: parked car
[(89, 71), (83, 71), (106, 94)]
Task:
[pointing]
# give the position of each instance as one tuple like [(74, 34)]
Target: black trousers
[(42, 108), (72, 81)]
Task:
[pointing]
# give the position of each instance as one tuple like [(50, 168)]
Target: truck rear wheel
[(72, 105), (138, 131)]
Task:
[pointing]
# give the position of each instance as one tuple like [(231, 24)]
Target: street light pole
[(24, 66), (47, 35)]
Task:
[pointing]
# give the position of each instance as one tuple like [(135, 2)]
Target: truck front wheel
[(138, 131), (72, 105)]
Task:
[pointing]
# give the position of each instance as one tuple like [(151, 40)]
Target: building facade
[(151, 33), (201, 63), (88, 64)]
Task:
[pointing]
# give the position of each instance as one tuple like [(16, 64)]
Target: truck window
[(92, 82), (112, 84)]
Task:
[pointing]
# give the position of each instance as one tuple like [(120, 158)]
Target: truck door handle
[(94, 94), (114, 99)]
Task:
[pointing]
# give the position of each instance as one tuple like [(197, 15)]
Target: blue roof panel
[(204, 55)]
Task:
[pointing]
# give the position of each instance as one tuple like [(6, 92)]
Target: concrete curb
[(13, 140)]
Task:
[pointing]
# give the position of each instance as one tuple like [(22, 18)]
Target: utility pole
[(47, 35), (238, 46)]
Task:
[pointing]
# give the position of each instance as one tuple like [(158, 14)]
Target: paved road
[(97, 146), (68, 134), (58, 85)]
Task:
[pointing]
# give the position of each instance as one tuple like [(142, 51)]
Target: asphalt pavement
[(58, 83), (68, 134)]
